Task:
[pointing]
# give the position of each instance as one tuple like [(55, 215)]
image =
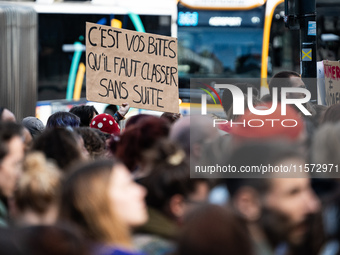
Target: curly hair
[(139, 137)]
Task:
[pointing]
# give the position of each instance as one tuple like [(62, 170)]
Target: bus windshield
[(220, 51), (220, 43)]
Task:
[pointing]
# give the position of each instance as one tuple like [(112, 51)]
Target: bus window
[(328, 30), (224, 40), (219, 43)]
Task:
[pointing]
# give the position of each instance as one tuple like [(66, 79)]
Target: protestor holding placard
[(332, 85), (105, 124), (87, 112)]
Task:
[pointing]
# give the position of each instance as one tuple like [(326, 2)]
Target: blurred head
[(138, 138), (192, 132), (6, 115), (52, 240), (180, 133), (103, 201), (286, 79), (34, 125), (63, 119), (171, 117), (214, 152), (28, 139), (326, 146), (11, 156), (212, 229), (277, 203), (36, 196), (332, 114), (170, 188), (288, 208), (62, 145), (85, 112), (93, 143), (135, 119), (319, 112)]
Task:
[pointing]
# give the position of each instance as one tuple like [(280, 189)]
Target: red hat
[(105, 123), (273, 125)]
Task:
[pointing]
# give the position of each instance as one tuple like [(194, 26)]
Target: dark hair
[(8, 130), (171, 117), (59, 144), (139, 137), (135, 119), (281, 80), (256, 154), (85, 113), (169, 175), (332, 114), (102, 135), (52, 240), (213, 229), (63, 119), (94, 144)]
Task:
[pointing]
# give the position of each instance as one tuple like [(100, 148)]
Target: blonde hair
[(39, 184), (86, 203)]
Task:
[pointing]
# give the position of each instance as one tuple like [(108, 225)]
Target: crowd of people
[(83, 185)]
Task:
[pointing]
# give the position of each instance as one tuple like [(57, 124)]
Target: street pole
[(308, 33)]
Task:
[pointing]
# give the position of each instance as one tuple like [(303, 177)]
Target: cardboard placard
[(332, 82), (128, 66)]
